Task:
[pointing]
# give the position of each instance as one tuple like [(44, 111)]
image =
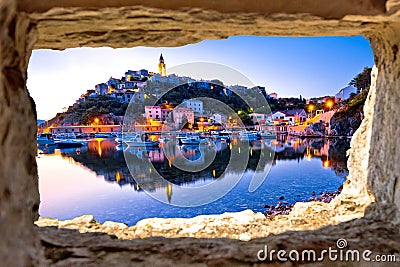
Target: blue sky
[(310, 66)]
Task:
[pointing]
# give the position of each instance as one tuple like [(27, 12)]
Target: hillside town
[(297, 116)]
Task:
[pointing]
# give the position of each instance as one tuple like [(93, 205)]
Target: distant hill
[(108, 110)]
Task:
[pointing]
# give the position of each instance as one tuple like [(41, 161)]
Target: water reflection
[(106, 158), (71, 181)]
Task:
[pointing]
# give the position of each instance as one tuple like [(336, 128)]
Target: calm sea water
[(96, 180)]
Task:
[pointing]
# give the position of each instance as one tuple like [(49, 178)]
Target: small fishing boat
[(182, 135), (63, 136), (45, 139), (102, 135), (247, 136), (67, 143), (193, 140), (266, 134), (137, 140)]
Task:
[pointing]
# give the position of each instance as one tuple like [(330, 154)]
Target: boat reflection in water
[(299, 166)]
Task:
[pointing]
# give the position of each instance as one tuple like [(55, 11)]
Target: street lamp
[(329, 104), (311, 108)]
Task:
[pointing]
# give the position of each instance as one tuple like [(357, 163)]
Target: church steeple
[(162, 69)]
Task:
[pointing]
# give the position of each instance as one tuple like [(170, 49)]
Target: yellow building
[(162, 69)]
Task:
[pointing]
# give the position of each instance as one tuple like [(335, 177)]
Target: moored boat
[(45, 139), (67, 143), (247, 136), (137, 140), (266, 134), (102, 135), (192, 140)]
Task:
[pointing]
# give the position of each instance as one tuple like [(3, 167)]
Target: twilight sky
[(289, 66)]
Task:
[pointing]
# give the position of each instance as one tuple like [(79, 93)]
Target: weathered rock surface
[(243, 225), (64, 247), (346, 125), (19, 196)]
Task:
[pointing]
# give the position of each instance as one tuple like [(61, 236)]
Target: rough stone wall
[(327, 9), (356, 195), (61, 28), (384, 154), (19, 197)]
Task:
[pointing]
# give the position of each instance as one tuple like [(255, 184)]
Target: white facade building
[(195, 105), (218, 118), (260, 118), (346, 92), (292, 116)]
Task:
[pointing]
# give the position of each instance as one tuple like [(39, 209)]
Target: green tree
[(363, 80), (218, 82), (245, 118)]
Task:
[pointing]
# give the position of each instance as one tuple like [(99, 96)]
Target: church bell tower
[(162, 69)]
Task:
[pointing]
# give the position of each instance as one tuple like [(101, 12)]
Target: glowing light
[(168, 191), (118, 177), (96, 121), (311, 107), (213, 173), (329, 103), (326, 163), (99, 150)]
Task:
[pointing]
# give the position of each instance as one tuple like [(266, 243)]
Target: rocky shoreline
[(284, 208), (244, 225)]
